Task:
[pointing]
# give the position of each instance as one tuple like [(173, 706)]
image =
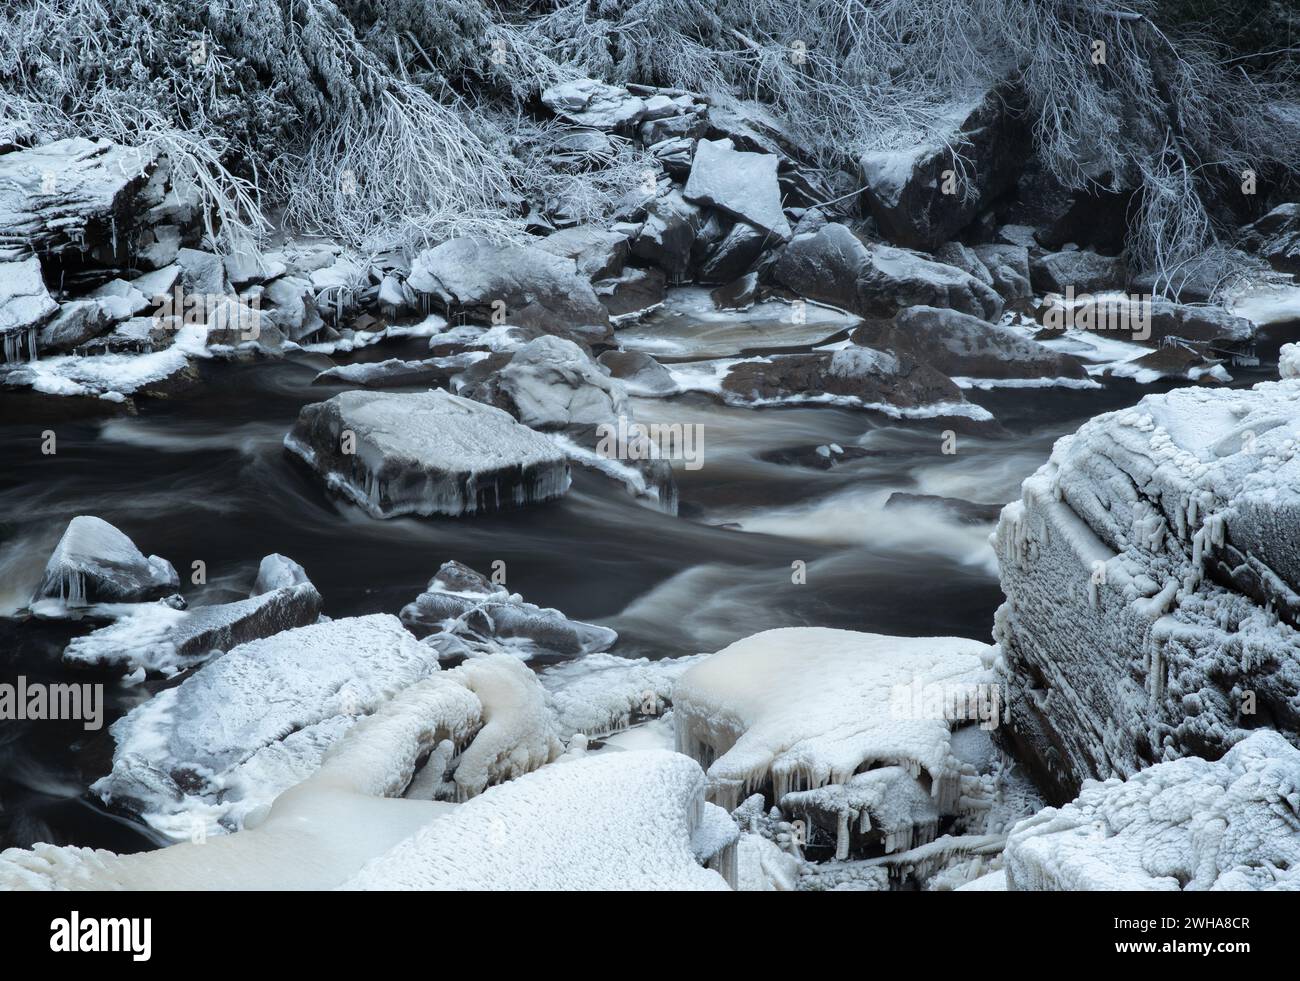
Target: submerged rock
[(834, 266), (96, 563), (468, 614), (426, 453)]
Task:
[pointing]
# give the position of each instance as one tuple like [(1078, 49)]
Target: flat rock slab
[(742, 184), (426, 453)]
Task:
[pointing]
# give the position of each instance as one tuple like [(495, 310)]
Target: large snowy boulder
[(738, 183), (527, 285), (624, 821), (70, 194), (160, 638), (803, 707), (834, 266), (598, 253), (95, 563), (921, 197), (962, 345), (468, 613), (550, 383), (1187, 824), (426, 453), (1153, 585)]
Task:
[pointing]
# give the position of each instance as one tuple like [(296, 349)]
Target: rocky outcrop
[(1152, 588), (961, 345), (426, 453), (921, 197), (834, 266)]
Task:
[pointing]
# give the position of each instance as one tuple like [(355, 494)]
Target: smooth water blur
[(203, 476)]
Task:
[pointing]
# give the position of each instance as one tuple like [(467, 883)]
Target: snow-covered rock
[(597, 252), (25, 305), (1186, 824), (1150, 320), (76, 322), (589, 102), (526, 285), (426, 453), (612, 822), (1153, 587), (159, 638), (601, 694), (738, 183), (482, 616), (920, 197), (1276, 237), (550, 383), (959, 344), (857, 376), (834, 266), (804, 707), (639, 373), (257, 720), (95, 563), (632, 294), (71, 193)]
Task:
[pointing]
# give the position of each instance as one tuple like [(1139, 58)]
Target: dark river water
[(203, 476)]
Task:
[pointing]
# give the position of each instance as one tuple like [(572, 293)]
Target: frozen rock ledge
[(426, 453)]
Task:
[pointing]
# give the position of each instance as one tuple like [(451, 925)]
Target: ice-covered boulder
[(739, 183), (95, 563), (834, 266), (803, 707), (426, 453), (257, 720), (162, 639), (611, 822), (857, 376), (75, 323), (71, 193), (920, 196), (601, 693), (527, 285), (550, 383), (396, 373), (639, 373), (482, 616), (1186, 824), (25, 305), (1153, 586), (961, 345)]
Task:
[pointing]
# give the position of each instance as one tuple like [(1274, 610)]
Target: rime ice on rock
[(1153, 585), (427, 453), (158, 638), (25, 305), (468, 614), (805, 708), (1186, 824), (618, 821), (96, 563), (602, 693)]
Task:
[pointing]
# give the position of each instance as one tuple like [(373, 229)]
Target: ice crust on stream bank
[(1186, 824), (1153, 588), (426, 453)]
